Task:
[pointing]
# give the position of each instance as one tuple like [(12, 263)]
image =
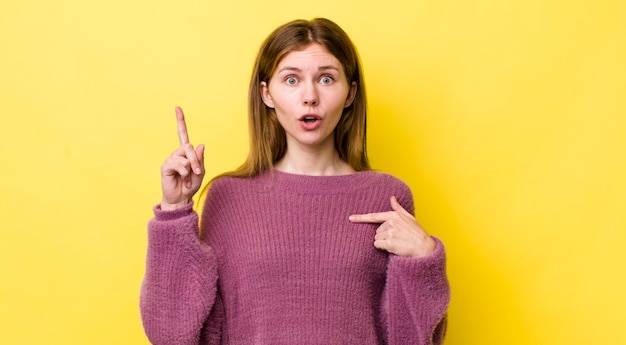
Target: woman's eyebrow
[(289, 68), (296, 69), (325, 67)]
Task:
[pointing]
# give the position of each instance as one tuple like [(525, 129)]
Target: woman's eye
[(326, 80), (291, 81)]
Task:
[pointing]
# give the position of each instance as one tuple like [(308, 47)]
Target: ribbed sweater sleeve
[(416, 299), (179, 285), (417, 294)]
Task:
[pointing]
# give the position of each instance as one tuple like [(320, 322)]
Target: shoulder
[(218, 186), (222, 193), (227, 187), (221, 189), (389, 185), (389, 181), (223, 182), (386, 177)]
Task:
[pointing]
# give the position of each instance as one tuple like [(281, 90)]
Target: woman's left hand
[(399, 233)]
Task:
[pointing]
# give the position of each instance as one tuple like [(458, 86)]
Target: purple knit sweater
[(282, 264)]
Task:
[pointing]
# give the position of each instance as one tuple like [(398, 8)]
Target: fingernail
[(352, 218), (198, 171)]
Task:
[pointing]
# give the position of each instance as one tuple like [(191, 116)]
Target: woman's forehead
[(313, 56)]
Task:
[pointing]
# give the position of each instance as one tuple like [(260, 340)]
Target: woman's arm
[(416, 298), (179, 286), (417, 293)]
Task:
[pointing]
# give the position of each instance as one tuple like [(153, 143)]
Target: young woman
[(303, 244)]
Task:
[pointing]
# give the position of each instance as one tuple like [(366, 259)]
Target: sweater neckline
[(317, 183)]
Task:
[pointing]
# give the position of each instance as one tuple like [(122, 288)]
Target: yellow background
[(505, 117)]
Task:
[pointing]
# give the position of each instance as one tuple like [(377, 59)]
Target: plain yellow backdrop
[(507, 119)]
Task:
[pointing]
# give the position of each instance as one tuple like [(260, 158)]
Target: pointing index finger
[(379, 217), (183, 137)]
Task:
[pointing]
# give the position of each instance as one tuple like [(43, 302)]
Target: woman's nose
[(310, 96), (310, 101)]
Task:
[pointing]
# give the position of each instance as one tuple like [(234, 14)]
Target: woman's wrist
[(165, 206)]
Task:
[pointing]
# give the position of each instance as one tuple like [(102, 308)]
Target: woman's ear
[(351, 94), (265, 95)]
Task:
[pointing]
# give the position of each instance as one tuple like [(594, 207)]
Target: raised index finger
[(379, 217), (183, 137)]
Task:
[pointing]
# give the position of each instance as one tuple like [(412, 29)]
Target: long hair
[(268, 141)]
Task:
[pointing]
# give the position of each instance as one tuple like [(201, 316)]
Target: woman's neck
[(313, 162)]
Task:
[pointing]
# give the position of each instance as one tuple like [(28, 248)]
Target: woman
[(303, 244)]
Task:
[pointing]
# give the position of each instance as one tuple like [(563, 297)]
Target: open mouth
[(310, 122), (309, 119)]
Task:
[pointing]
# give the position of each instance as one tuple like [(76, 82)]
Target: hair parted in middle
[(268, 142)]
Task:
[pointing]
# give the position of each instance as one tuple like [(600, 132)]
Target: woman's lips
[(310, 121)]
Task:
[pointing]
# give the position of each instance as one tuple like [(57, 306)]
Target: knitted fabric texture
[(282, 264)]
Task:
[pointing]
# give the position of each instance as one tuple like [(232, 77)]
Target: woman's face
[(309, 91)]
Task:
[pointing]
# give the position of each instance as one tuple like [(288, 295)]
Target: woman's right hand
[(183, 170)]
